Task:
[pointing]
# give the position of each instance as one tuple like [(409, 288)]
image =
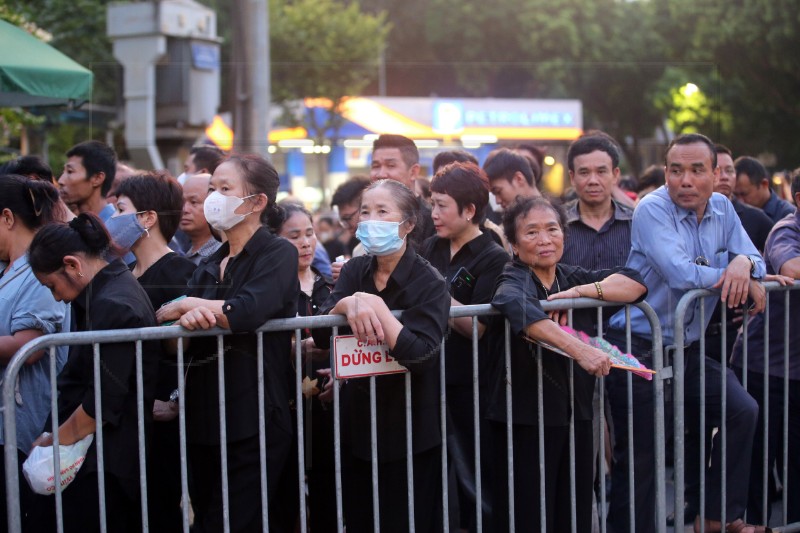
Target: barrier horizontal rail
[(98, 338)]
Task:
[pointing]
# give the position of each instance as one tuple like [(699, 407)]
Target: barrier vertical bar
[(745, 324), (337, 440), (182, 438), (301, 455), (600, 385), (262, 433), (702, 429), (140, 421), (98, 411), (476, 421), (373, 431), (573, 500), (629, 384), (678, 368), (443, 422), (723, 422), (409, 455), (658, 398), (785, 476), (223, 432), (56, 456), (509, 427), (765, 466), (540, 435)]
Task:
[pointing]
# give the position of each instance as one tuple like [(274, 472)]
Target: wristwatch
[(174, 396), (752, 266)]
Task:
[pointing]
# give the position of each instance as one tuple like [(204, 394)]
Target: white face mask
[(220, 210), (182, 177)]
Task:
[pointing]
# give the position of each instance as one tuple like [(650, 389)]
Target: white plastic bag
[(38, 467)]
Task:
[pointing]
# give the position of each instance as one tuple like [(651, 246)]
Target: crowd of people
[(108, 247)]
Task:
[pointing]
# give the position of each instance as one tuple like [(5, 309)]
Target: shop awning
[(33, 73)]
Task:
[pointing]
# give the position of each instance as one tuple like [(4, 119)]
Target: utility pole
[(251, 58)]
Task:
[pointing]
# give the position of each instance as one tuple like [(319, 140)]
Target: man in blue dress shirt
[(685, 236)]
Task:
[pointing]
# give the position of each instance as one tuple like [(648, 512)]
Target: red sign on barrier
[(356, 359)]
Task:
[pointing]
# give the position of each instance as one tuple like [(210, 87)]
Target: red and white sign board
[(356, 359)]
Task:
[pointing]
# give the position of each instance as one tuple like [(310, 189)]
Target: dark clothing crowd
[(497, 414)]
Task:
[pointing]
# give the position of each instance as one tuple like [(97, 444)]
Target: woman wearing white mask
[(148, 212), (252, 278), (392, 277)]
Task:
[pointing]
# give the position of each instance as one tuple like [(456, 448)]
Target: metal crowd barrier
[(685, 306), (96, 338)]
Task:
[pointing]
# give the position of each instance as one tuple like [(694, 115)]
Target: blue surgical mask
[(380, 237), (125, 230)]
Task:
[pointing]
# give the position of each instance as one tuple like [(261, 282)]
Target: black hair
[(722, 149), (283, 211), (591, 142), (97, 157), (452, 156), (504, 163), (33, 202), (796, 184), (535, 151), (350, 191), (258, 177), (84, 234), (159, 192), (408, 150), (207, 157), (693, 138), (520, 208), (752, 168), (467, 184), (32, 166), (653, 176)]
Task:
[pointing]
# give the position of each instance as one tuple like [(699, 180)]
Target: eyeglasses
[(702, 261)]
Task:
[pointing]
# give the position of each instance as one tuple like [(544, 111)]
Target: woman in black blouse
[(252, 278), (69, 260), (470, 261), (535, 230), (392, 277), (292, 222), (148, 212)]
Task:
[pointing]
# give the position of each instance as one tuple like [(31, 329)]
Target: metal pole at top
[(261, 89)]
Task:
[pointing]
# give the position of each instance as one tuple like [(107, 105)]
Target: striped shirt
[(597, 250)]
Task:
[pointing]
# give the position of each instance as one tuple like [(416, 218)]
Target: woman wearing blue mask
[(251, 279), (392, 277), (148, 213)]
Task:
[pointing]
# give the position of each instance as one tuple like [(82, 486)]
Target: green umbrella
[(33, 73)]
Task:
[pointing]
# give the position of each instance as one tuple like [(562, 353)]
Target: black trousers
[(164, 478), (527, 493), (244, 482), (776, 395), (461, 457), (27, 498), (81, 506), (393, 494), (742, 412)]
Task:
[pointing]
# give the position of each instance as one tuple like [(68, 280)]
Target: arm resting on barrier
[(77, 426), (615, 288), (178, 309), (594, 361)]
